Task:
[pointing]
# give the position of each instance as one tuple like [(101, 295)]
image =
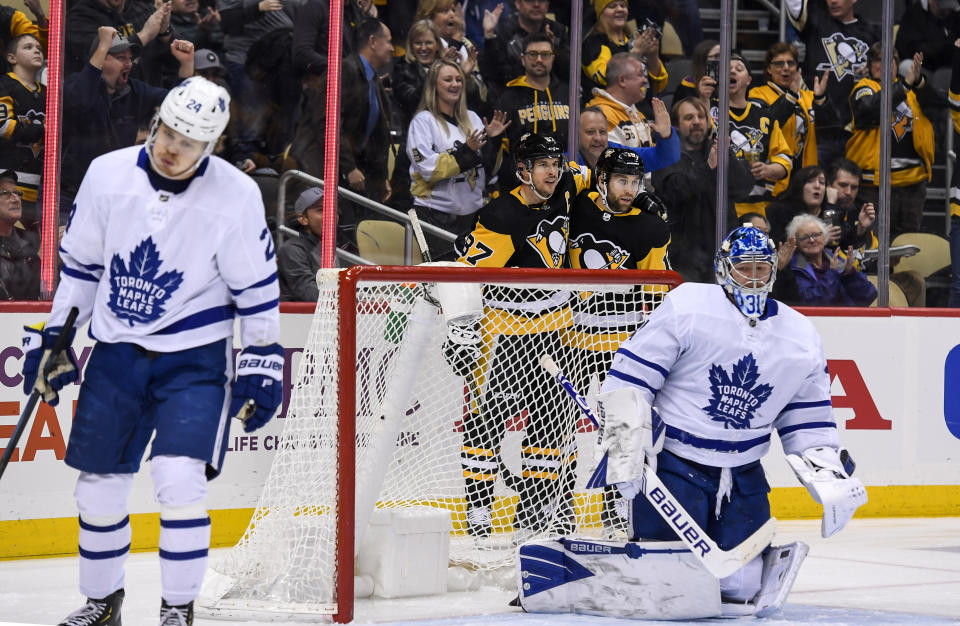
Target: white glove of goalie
[(632, 436), (825, 472)]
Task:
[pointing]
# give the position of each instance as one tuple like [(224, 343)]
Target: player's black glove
[(258, 389), (37, 347), (649, 203), (462, 347)]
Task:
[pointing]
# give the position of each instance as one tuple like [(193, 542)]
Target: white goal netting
[(482, 430)]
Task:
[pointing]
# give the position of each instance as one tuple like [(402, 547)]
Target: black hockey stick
[(58, 347), (718, 562)]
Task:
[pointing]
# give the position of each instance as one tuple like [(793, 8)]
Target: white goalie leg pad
[(636, 580), (825, 475), (743, 584), (631, 435), (780, 567)]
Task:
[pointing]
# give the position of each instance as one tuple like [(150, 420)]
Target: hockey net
[(379, 418)]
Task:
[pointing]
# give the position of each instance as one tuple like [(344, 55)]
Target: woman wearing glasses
[(19, 263), (808, 193), (825, 278), (794, 106)]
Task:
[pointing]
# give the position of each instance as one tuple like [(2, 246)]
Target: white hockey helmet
[(196, 108)]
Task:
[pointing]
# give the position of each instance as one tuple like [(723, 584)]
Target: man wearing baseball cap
[(299, 259), (206, 63)]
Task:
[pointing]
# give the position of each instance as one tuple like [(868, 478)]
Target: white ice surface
[(890, 571)]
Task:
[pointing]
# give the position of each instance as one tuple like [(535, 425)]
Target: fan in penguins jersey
[(527, 227), (755, 135), (165, 246), (724, 365)]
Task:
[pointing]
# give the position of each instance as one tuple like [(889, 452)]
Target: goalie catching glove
[(258, 389), (826, 473), (38, 344), (462, 347)]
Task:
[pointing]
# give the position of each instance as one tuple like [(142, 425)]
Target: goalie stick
[(720, 563), (58, 347)]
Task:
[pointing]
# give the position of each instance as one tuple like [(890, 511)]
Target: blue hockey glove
[(37, 346), (258, 388)]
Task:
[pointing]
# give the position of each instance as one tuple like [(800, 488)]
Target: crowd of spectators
[(435, 93)]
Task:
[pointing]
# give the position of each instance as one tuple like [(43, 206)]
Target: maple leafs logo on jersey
[(737, 396), (845, 55), (138, 292)]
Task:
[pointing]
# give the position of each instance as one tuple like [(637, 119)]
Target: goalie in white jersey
[(166, 244), (724, 365)]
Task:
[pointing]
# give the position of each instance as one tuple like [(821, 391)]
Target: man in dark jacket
[(299, 259), (503, 42), (104, 108), (366, 113), (310, 54), (535, 102), (689, 189), (930, 27), (87, 16), (19, 263)]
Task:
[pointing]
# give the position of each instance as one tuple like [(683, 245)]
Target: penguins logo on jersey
[(139, 291), (597, 255), (550, 240), (746, 139), (736, 397), (30, 117), (902, 121), (844, 55)]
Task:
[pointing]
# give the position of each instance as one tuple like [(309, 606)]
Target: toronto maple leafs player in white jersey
[(724, 365), (165, 246)]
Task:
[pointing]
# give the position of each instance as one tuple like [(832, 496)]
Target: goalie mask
[(197, 109), (531, 148), (746, 266), (619, 161)]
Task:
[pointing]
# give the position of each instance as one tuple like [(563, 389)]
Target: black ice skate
[(103, 612), (181, 615)]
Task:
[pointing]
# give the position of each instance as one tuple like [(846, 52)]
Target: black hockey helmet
[(619, 161), (533, 146)]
